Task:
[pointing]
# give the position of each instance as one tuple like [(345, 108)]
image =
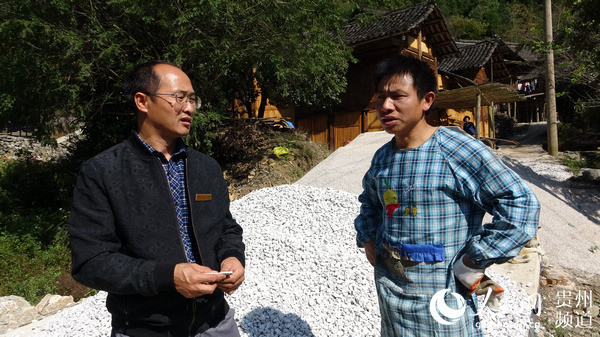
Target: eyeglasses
[(181, 99)]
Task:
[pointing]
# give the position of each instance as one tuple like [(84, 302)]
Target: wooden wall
[(346, 126), (315, 126), (356, 112), (371, 121), (334, 129)]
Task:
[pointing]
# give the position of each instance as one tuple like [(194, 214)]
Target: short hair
[(423, 76), (142, 78), (465, 118)]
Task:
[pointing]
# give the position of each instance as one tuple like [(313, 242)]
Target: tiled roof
[(425, 16), (388, 23), (472, 56), (475, 54)]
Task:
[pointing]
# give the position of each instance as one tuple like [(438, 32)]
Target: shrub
[(29, 269), (34, 249), (574, 164), (27, 183)]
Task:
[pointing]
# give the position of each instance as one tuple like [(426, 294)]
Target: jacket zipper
[(191, 227), (193, 232), (162, 168), (191, 219)]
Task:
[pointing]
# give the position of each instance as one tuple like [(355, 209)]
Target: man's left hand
[(233, 281), (468, 273)]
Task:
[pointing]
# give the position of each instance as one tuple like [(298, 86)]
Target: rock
[(533, 242), (15, 311), (553, 281), (593, 310), (12, 303), (51, 304), (572, 155), (553, 277), (589, 174), (12, 146)]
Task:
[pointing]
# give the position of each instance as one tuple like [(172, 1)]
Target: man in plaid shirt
[(422, 207)]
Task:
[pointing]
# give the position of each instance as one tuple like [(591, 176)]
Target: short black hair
[(423, 76), (142, 78), (465, 118)]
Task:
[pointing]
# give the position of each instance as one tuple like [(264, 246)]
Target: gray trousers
[(226, 328)]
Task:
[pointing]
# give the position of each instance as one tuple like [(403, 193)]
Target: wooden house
[(484, 76), (531, 83), (418, 31)]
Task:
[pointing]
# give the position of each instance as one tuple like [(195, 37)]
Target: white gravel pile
[(304, 274), (546, 170), (513, 318)]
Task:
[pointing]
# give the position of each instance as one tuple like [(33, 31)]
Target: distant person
[(468, 126), (150, 222), (421, 213)]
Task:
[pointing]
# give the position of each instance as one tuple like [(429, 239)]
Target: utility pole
[(552, 130)]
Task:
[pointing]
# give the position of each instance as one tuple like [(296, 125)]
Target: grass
[(558, 331), (30, 270), (574, 164), (34, 254)]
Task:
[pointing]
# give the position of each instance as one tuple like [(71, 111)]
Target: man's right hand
[(191, 281), (370, 251)]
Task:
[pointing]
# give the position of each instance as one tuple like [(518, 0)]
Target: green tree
[(578, 42), (523, 23), (466, 28), (65, 58), (577, 51), (489, 12)]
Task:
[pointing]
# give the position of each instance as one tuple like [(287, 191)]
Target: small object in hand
[(220, 272)]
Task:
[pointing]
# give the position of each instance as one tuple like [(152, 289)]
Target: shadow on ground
[(268, 321), (583, 197)]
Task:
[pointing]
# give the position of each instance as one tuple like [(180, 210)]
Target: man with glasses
[(151, 224)]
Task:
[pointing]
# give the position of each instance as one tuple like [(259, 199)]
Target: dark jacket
[(125, 238), (469, 127)]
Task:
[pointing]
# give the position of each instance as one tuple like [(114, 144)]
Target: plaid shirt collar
[(180, 149)]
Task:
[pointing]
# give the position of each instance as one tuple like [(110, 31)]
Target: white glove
[(479, 283), (487, 286), (469, 277)]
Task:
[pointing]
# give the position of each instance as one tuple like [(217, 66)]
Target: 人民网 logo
[(441, 312)]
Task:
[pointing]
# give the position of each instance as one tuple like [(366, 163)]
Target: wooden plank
[(345, 134), (315, 126), (347, 119), (466, 97), (346, 126), (373, 123)]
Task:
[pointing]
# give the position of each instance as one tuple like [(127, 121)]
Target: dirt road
[(569, 233)]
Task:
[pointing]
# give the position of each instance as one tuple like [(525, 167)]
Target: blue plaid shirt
[(175, 171), (427, 204)]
